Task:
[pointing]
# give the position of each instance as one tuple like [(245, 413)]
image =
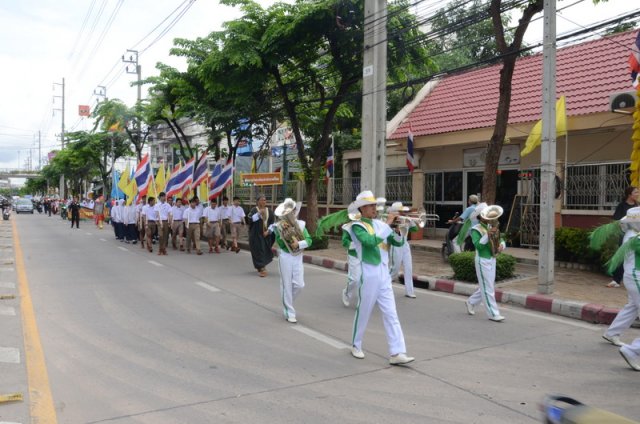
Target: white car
[(24, 205)]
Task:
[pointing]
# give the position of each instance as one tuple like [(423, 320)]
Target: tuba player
[(292, 238), (487, 242)]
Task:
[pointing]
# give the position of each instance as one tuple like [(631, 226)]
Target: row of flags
[(184, 180)]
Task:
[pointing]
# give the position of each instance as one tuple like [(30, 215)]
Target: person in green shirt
[(354, 267), (486, 262), (290, 242), (371, 240)]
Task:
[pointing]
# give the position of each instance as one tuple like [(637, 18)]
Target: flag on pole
[(161, 179), (329, 164), (130, 191), (411, 161), (143, 175), (116, 193), (171, 179), (634, 61), (123, 182), (203, 190), (220, 178), (182, 179), (535, 136), (201, 172)]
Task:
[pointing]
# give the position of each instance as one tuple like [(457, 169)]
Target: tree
[(509, 52), (115, 116)]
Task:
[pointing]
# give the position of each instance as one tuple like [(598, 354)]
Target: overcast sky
[(42, 41)]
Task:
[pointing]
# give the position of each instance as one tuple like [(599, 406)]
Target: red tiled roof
[(586, 73)]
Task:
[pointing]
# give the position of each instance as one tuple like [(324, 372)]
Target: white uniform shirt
[(149, 213), (225, 212), (177, 213), (129, 215), (192, 215), (116, 213), (237, 214), (163, 209), (213, 214)]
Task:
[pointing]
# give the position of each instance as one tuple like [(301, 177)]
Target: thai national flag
[(634, 60), (221, 177), (410, 158), (329, 164), (143, 176), (183, 179), (202, 170), (172, 189)]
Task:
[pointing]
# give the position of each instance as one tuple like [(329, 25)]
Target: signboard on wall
[(263, 178), (473, 158)]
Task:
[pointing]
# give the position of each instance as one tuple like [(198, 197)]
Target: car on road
[(24, 205)]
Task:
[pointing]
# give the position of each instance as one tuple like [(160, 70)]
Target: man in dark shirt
[(74, 207)]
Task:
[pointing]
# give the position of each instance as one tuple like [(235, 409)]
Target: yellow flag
[(160, 180), (203, 191), (535, 136), (130, 191), (124, 179), (152, 189)]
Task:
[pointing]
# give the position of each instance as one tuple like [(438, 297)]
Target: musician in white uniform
[(292, 238), (371, 239), (401, 255), (482, 235)]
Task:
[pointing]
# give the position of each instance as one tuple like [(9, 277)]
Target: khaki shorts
[(213, 230), (235, 230)]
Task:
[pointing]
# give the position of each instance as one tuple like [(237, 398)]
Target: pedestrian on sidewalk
[(74, 206), (487, 242), (260, 239), (401, 256), (627, 256), (371, 238), (630, 200), (291, 238)]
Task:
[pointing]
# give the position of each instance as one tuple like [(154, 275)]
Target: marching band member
[(177, 226), (487, 242), (292, 238), (354, 268), (401, 255), (237, 220), (371, 239)]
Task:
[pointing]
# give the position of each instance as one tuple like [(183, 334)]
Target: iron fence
[(399, 188), (596, 186)]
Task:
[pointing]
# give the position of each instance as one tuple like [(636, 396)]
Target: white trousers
[(375, 288), (353, 277), (401, 256), (486, 292), (291, 281), (629, 313)]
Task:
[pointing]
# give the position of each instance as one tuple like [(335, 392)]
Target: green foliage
[(464, 269), (34, 186), (572, 245), (318, 243)]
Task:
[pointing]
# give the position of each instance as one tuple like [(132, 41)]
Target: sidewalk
[(578, 293)]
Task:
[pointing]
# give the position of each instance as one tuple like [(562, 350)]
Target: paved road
[(131, 337)]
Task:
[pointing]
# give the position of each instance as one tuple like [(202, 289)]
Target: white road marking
[(123, 248), (7, 310), (8, 422), (9, 355), (8, 285), (207, 286), (155, 263), (89, 234), (103, 239), (320, 337)]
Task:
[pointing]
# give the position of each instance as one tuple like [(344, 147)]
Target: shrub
[(318, 243), (572, 245), (464, 268)]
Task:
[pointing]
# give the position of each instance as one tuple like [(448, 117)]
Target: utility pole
[(39, 151), (100, 91), (62, 184), (133, 59), (546, 260), (374, 96)]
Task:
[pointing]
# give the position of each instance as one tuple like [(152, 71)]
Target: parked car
[(24, 205)]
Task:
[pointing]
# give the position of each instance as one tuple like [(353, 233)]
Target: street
[(132, 337)]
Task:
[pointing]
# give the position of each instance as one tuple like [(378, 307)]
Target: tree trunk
[(312, 203), (499, 132)]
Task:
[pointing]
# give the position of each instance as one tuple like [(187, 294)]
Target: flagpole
[(565, 183)]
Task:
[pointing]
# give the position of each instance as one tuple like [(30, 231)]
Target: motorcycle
[(63, 211), (450, 239), (6, 213)]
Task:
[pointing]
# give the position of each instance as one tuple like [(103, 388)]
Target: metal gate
[(529, 208)]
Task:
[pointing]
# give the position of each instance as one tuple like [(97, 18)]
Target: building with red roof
[(452, 121)]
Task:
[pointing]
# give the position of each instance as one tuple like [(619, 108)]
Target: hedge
[(464, 267), (572, 245), (318, 243)]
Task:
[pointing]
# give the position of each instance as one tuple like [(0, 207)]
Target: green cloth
[(283, 246), (370, 249)]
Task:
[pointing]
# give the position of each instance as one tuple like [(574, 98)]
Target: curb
[(588, 312)]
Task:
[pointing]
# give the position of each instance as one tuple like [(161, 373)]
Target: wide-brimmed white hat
[(363, 199), (398, 207), (633, 215), (353, 213), (491, 212), (478, 209), (287, 207)]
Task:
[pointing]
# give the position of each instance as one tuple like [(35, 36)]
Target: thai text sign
[(262, 178)]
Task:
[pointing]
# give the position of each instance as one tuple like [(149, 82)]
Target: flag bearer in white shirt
[(177, 224), (162, 210), (191, 218)]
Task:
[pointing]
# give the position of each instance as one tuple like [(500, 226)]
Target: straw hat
[(363, 199)]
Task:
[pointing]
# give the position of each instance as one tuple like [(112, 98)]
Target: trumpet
[(418, 218)]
